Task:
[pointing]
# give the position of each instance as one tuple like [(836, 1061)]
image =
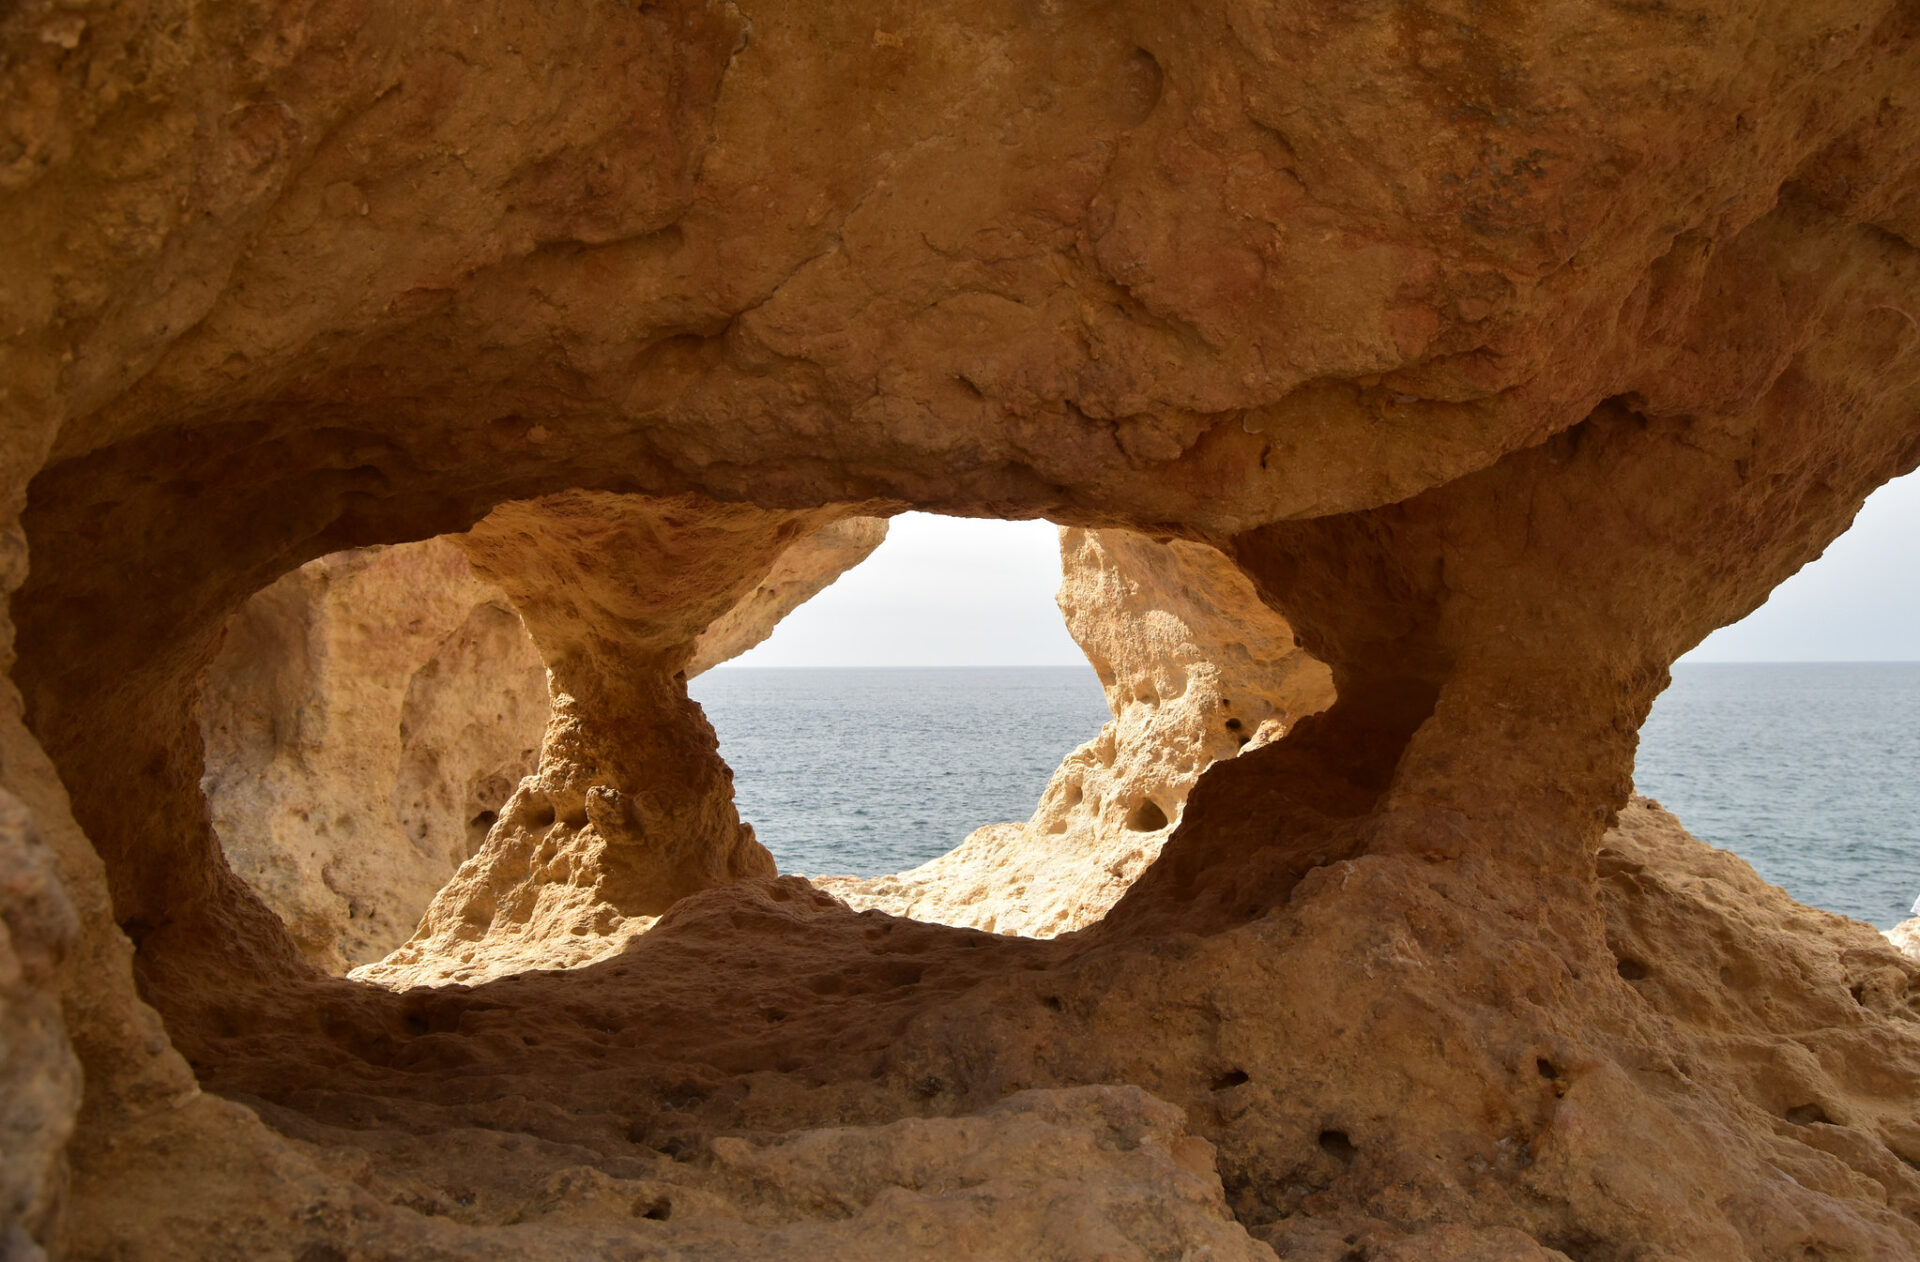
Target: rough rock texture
[(1508, 349), (365, 720), (1905, 937), (1195, 670), (807, 568), (369, 714), (1079, 1175), (39, 1075), (631, 807)]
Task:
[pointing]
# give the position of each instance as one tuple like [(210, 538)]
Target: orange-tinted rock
[(1195, 669), (1508, 351), (369, 714), (365, 720)]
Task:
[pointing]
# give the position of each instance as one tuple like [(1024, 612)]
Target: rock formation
[(809, 565), (1507, 350), (631, 807), (1905, 938), (370, 712), (366, 718), (1195, 670)]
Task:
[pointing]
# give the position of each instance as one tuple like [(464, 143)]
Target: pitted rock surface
[(1195, 669), (1507, 350)]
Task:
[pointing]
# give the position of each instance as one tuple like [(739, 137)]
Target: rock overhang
[(1508, 355)]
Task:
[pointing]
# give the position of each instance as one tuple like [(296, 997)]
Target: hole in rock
[(1146, 817), (680, 1148), (901, 736), (1632, 970), (1808, 1115), (1232, 1078), (1337, 1145), (1820, 684), (892, 718), (365, 720)]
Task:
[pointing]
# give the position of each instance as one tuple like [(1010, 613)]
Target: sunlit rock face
[(365, 720), (1507, 352), (631, 807), (1195, 669), (369, 714)]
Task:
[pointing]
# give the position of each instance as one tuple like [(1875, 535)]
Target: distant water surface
[(1809, 772), (869, 771)]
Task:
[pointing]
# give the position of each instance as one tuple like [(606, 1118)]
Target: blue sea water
[(1809, 772), (868, 771)]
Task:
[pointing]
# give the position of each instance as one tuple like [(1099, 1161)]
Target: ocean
[(870, 771), (1810, 772)]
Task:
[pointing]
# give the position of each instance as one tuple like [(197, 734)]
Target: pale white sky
[(941, 591), (948, 591), (1858, 603)]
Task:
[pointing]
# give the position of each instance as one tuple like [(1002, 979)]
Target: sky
[(948, 591), (941, 591), (1858, 603)]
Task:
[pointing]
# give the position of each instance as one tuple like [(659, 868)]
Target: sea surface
[(869, 771), (1808, 771), (1811, 772)]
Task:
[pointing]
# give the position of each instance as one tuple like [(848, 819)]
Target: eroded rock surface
[(1507, 350), (365, 720), (1905, 937), (631, 807), (808, 566), (370, 713), (1195, 669)]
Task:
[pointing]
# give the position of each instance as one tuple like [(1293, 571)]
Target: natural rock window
[(367, 717), (1502, 351), (370, 715), (1195, 670)]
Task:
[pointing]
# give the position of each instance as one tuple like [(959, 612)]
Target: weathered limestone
[(1195, 670), (1508, 351), (808, 567), (365, 720), (631, 808), (369, 714), (1905, 938), (39, 1075)]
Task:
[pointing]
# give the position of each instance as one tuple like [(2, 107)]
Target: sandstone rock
[(803, 571), (1508, 354), (631, 807), (370, 713), (365, 721), (1086, 1173), (1195, 669), (1905, 938), (39, 1075)]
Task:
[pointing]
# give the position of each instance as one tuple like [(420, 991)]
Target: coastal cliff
[(1504, 352)]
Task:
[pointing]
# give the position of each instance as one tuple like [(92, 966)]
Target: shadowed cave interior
[(368, 716)]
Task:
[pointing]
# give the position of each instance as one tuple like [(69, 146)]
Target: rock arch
[(1506, 356)]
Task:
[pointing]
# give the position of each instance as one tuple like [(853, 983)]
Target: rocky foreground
[(1500, 352)]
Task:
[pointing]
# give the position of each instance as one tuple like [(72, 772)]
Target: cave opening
[(371, 718)]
